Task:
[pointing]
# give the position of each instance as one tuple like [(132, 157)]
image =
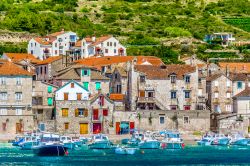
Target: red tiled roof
[(43, 41), (57, 33), (109, 60), (163, 72), (244, 93), (237, 67), (49, 60), (101, 39), (16, 57), (9, 69), (116, 96)]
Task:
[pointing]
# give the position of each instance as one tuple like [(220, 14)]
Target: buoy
[(163, 145), (66, 153), (142, 152), (183, 145)]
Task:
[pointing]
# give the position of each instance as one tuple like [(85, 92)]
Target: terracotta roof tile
[(244, 93), (10, 69), (57, 33), (43, 41), (236, 67), (238, 76), (163, 72), (116, 96), (49, 60), (16, 57), (214, 76), (99, 40), (109, 60)]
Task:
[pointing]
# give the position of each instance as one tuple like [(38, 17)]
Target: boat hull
[(69, 145), (172, 145), (125, 151), (241, 142), (50, 150), (204, 142), (223, 141), (100, 145), (150, 145), (28, 145)]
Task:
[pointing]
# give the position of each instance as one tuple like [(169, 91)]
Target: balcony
[(146, 100)]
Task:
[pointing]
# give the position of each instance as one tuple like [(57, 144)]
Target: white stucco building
[(54, 44)]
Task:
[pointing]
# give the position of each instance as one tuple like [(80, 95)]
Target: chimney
[(93, 38)]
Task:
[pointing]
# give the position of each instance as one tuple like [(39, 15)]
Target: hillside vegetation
[(134, 22)]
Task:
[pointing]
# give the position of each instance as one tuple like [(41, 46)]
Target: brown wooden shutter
[(79, 96), (86, 113), (66, 96), (141, 93), (76, 112)]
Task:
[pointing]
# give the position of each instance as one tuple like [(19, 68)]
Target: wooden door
[(131, 127), (18, 127), (97, 128), (95, 114), (66, 96), (117, 128), (84, 128), (141, 93)]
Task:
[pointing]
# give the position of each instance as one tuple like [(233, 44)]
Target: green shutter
[(97, 85), (49, 89), (86, 85), (82, 72), (50, 101), (88, 72)]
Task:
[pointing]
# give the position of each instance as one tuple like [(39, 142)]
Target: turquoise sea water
[(191, 155)]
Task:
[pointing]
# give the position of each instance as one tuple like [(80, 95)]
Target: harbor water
[(191, 155)]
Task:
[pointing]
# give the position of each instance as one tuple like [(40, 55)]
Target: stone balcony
[(146, 99)]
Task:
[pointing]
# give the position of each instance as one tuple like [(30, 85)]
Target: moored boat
[(149, 142), (18, 140), (50, 145), (29, 142), (206, 140), (238, 139), (100, 141), (67, 142), (220, 139), (172, 140), (125, 150)]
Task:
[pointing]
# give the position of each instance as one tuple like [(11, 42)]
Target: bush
[(176, 32)]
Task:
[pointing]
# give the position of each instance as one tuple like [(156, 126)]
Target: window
[(239, 85), (19, 111), (86, 85), (85, 72), (66, 125), (3, 96), (18, 95), (162, 119), (199, 92), (173, 95), (31, 44), (3, 111), (228, 83), (97, 85), (3, 80), (107, 43), (41, 70), (66, 96), (72, 85), (45, 70), (216, 83), (173, 107), (228, 108), (110, 43), (18, 81), (4, 126), (106, 51), (187, 107), (186, 119), (115, 44), (199, 80), (187, 79), (39, 111), (50, 101), (142, 78), (55, 52), (79, 96), (118, 88), (65, 112), (50, 89), (55, 44), (216, 95), (116, 75), (105, 112), (187, 94), (228, 94), (114, 51), (60, 39), (150, 94), (173, 79), (81, 112)]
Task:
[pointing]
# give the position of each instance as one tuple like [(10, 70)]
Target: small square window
[(186, 119), (162, 119), (72, 85)]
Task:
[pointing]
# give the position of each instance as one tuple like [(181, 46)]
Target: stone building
[(43, 105), (166, 87), (15, 99), (92, 79), (78, 113)]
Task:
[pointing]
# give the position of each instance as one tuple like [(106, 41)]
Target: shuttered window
[(79, 96), (50, 101), (105, 112), (65, 112), (86, 85), (66, 96), (66, 126), (86, 113), (49, 89), (97, 85), (76, 112)]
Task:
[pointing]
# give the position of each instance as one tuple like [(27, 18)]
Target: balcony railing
[(146, 99)]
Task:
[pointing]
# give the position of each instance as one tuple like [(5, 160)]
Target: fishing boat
[(100, 141), (206, 140), (29, 142), (172, 140), (67, 142), (125, 150), (220, 139), (134, 140), (18, 140), (83, 140), (50, 145), (149, 142), (238, 139)]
